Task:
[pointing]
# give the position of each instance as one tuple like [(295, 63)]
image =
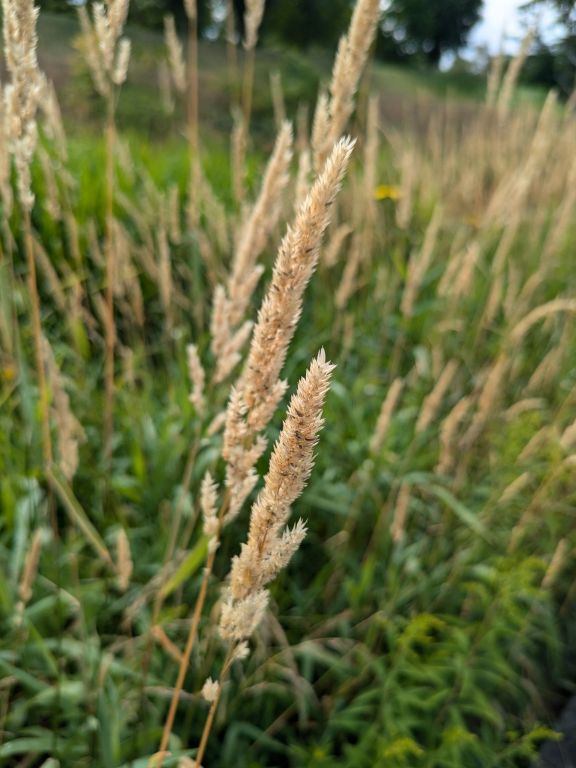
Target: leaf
[(24, 514), (76, 513), (27, 746), (110, 720), (462, 512), (193, 561), (68, 693), (24, 678)]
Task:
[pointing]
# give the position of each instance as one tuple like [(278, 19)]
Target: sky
[(502, 20), (499, 17)]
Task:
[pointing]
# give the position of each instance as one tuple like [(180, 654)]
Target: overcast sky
[(502, 18), (499, 17)]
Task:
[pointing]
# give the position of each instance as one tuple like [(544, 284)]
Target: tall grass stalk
[(187, 653), (37, 332), (192, 108), (109, 250)]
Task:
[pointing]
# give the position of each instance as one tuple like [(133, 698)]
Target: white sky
[(499, 17)]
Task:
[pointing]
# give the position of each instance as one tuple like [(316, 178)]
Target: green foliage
[(305, 22), (433, 27)]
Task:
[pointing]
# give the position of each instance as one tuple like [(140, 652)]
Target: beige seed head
[(320, 129), (197, 377), (22, 94), (190, 6), (349, 63), (449, 434), (240, 618), (254, 11), (260, 223), (539, 313), (70, 432), (433, 401), (556, 564), (398, 527), (122, 60), (267, 550), (515, 487), (208, 502), (511, 77), (175, 54), (386, 412), (568, 437), (282, 305), (210, 690), (124, 563), (30, 567), (302, 178)]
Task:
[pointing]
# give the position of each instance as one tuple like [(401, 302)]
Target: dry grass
[(432, 264)]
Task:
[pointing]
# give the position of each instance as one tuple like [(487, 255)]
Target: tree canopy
[(410, 27), (432, 27), (552, 62)]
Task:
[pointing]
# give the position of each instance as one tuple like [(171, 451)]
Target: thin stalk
[(110, 331), (212, 711), (183, 668), (231, 50), (37, 331), (179, 508), (247, 89), (193, 211), (192, 634), (159, 600), (10, 337)]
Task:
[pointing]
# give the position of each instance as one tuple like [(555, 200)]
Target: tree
[(432, 27), (147, 13), (301, 23), (553, 64)]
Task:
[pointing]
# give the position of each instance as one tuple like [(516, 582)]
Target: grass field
[(141, 108), (427, 618)]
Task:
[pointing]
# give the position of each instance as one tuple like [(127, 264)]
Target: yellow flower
[(472, 220), (387, 192), (8, 372)]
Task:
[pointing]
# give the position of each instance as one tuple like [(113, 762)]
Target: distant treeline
[(412, 31)]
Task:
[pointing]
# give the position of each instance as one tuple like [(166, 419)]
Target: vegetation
[(163, 311), (427, 28), (432, 28)]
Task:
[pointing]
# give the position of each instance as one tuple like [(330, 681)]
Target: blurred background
[(430, 45)]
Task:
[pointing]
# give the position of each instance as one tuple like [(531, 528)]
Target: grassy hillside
[(141, 108)]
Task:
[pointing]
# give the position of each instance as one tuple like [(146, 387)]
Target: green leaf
[(27, 746), (193, 561), (24, 678), (76, 513), (462, 512)]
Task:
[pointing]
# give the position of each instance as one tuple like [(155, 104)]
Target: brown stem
[(198, 608), (193, 141), (248, 88), (179, 508), (212, 711), (7, 260), (110, 331), (37, 330), (231, 49), (183, 668), (159, 600)]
